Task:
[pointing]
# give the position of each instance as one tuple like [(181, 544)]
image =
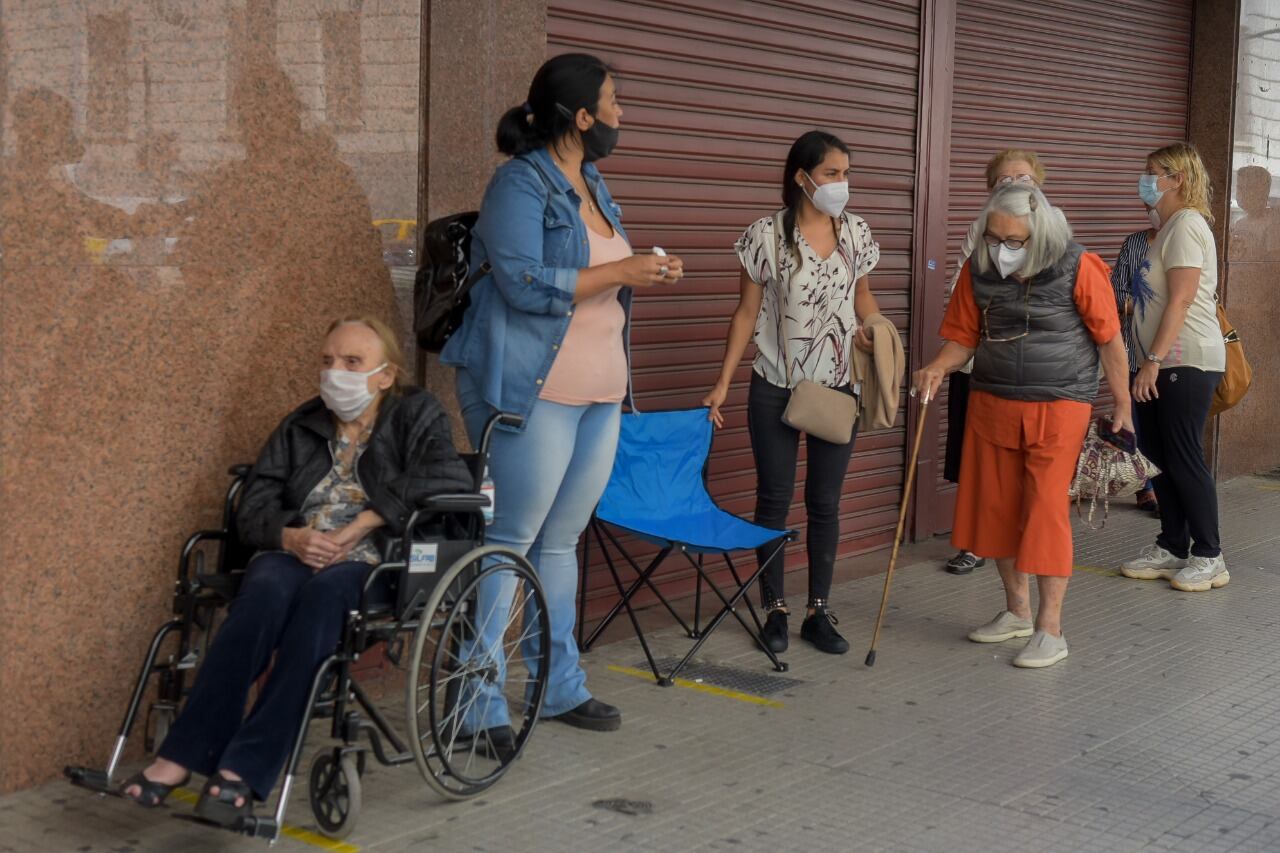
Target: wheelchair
[(420, 604)]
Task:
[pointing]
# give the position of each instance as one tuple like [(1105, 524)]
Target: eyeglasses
[(1013, 245), (1016, 179), (1026, 323)]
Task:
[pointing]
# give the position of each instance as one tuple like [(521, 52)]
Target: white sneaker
[(1152, 564), (1005, 626), (1043, 649), (1202, 574)]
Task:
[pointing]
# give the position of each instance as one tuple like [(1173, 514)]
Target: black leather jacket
[(410, 455)]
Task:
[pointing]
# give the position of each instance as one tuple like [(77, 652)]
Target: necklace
[(586, 195)]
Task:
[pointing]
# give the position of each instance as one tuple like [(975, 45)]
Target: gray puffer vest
[(1058, 359)]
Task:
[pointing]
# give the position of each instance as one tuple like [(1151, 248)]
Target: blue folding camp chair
[(658, 491)]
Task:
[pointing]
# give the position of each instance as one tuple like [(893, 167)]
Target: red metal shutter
[(1090, 85), (713, 94)]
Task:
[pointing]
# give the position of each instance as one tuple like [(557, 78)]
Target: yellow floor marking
[(1100, 572), (297, 833), (703, 688)]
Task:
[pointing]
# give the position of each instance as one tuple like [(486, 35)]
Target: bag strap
[(778, 245)]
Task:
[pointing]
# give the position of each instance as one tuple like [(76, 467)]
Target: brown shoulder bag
[(1238, 376)]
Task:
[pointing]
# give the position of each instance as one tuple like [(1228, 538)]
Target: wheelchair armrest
[(241, 470), (463, 502)]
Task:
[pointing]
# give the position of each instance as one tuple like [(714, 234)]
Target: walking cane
[(902, 520)]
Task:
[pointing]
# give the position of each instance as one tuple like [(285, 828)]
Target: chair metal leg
[(582, 580), (728, 608), (697, 601), (625, 595), (647, 577)]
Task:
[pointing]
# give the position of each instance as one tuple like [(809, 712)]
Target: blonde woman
[(1183, 359)]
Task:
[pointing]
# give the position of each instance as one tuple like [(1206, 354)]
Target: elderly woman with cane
[(1035, 311)]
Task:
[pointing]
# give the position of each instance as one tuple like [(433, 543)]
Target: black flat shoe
[(497, 744), (592, 715), (775, 631), (150, 794), (221, 808), (820, 631), (964, 563)]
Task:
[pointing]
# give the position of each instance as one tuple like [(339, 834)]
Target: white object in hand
[(660, 252)]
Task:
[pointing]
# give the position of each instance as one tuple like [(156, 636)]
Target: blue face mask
[(1147, 189)]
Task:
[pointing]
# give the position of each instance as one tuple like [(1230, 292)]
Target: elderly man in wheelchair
[(326, 504)]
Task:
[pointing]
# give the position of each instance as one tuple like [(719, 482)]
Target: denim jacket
[(531, 233)]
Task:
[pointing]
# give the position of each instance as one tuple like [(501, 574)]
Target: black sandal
[(221, 808), (150, 794)]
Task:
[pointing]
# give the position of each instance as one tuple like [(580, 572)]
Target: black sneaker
[(964, 563), (775, 631), (820, 630)]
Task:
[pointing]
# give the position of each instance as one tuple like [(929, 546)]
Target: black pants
[(284, 608), (957, 412), (775, 447), (1171, 434)]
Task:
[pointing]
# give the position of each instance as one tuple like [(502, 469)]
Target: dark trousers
[(283, 607), (1171, 434), (957, 412), (1137, 431), (775, 447)]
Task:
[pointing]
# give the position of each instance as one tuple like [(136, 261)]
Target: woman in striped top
[(1132, 292)]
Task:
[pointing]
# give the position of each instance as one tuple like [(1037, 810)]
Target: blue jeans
[(284, 608), (547, 481)]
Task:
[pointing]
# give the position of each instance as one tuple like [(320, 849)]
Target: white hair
[(1050, 233)]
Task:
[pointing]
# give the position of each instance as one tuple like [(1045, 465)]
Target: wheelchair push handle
[(506, 419)]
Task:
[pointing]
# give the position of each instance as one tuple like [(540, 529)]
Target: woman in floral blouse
[(804, 294)]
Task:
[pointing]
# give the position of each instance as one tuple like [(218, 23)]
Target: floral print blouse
[(339, 498), (807, 323)]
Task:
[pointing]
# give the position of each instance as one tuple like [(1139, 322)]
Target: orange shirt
[(1094, 298)]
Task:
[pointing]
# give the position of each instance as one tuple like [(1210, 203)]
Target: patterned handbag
[(1106, 471)]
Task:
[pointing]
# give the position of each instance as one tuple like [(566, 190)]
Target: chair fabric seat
[(713, 531)]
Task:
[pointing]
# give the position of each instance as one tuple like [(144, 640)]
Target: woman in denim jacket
[(547, 337)]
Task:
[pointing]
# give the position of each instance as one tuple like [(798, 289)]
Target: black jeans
[(957, 413), (1171, 434), (775, 447), (282, 605)]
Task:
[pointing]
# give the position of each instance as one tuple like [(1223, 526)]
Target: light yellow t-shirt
[(1184, 241)]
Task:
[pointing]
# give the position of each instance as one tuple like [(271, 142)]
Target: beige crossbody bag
[(814, 409)]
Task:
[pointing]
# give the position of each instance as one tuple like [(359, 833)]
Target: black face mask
[(598, 141)]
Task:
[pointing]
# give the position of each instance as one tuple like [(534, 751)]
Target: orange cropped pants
[(1016, 467)]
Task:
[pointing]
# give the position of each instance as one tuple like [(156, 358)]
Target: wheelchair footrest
[(88, 777), (260, 826), (254, 826)]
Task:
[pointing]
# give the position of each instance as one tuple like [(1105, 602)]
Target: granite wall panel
[(180, 218)]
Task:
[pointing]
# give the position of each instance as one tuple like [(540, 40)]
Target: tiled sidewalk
[(1159, 732)]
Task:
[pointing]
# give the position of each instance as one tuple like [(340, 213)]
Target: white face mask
[(1154, 216), (346, 393), (1007, 261), (828, 198)]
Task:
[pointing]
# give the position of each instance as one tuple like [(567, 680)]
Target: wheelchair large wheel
[(454, 684)]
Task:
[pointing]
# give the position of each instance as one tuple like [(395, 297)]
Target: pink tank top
[(591, 365)]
